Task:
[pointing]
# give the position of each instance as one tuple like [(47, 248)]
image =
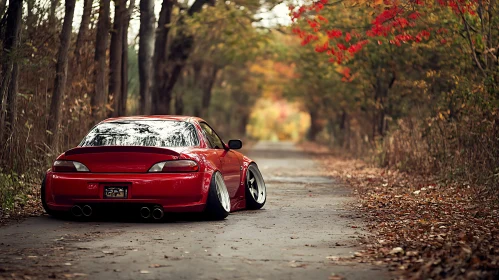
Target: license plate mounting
[(115, 192)]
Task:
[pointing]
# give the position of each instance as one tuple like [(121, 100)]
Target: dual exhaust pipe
[(157, 213), (79, 211)]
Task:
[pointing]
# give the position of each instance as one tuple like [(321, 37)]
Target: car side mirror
[(235, 144)]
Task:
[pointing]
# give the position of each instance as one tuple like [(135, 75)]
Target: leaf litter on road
[(422, 227)]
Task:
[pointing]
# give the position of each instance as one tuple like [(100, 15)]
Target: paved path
[(304, 221)]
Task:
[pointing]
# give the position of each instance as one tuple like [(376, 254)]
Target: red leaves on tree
[(348, 37), (319, 7), (357, 47), (314, 25), (460, 6), (309, 38), (387, 15), (395, 22), (414, 15), (334, 33), (341, 47)]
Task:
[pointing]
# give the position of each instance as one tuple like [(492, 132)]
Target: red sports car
[(153, 164)]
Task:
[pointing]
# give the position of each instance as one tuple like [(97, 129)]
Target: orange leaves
[(322, 48), (323, 19), (347, 77)]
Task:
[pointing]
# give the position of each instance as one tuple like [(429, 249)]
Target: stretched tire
[(256, 191), (218, 203), (53, 213)]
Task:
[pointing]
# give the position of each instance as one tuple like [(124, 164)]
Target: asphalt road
[(306, 220)]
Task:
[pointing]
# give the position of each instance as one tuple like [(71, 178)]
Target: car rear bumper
[(175, 192)]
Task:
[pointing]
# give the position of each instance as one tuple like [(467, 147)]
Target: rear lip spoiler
[(121, 149)]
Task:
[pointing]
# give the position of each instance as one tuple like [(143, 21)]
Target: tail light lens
[(69, 166), (175, 166)]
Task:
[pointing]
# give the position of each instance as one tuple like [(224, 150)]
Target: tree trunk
[(12, 98), (124, 60), (207, 88), (146, 48), (61, 75), (180, 50), (82, 33), (99, 98), (8, 83), (161, 101), (243, 122), (2, 7), (31, 17), (53, 8), (115, 57), (315, 126), (197, 67), (179, 104)]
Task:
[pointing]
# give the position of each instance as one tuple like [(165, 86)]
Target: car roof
[(156, 118)]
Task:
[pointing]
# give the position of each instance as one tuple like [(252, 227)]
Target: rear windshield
[(151, 133)]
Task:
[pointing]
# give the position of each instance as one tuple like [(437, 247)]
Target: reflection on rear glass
[(142, 133)]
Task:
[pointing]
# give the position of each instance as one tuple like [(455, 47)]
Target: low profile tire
[(256, 191), (53, 213), (218, 203)]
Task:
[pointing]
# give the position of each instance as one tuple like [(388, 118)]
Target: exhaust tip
[(145, 212), (157, 213), (87, 210), (76, 211)]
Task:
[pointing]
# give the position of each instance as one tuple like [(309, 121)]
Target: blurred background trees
[(68, 64), (408, 83)]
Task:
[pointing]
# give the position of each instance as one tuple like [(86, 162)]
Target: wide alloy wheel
[(218, 204), (256, 192)]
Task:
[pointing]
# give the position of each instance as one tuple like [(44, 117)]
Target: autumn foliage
[(390, 21), (412, 86)]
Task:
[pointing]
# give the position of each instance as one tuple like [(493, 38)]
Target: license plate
[(115, 192)]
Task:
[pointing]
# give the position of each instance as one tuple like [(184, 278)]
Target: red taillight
[(175, 166), (69, 166)]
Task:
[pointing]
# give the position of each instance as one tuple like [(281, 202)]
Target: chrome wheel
[(255, 184), (222, 193)]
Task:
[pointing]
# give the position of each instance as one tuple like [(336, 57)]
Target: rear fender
[(208, 168), (242, 185), (49, 198)]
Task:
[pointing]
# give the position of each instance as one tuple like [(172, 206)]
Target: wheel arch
[(246, 162)]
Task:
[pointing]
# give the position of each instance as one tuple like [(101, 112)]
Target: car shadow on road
[(169, 218)]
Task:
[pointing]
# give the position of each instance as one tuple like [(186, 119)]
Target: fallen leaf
[(396, 250)]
